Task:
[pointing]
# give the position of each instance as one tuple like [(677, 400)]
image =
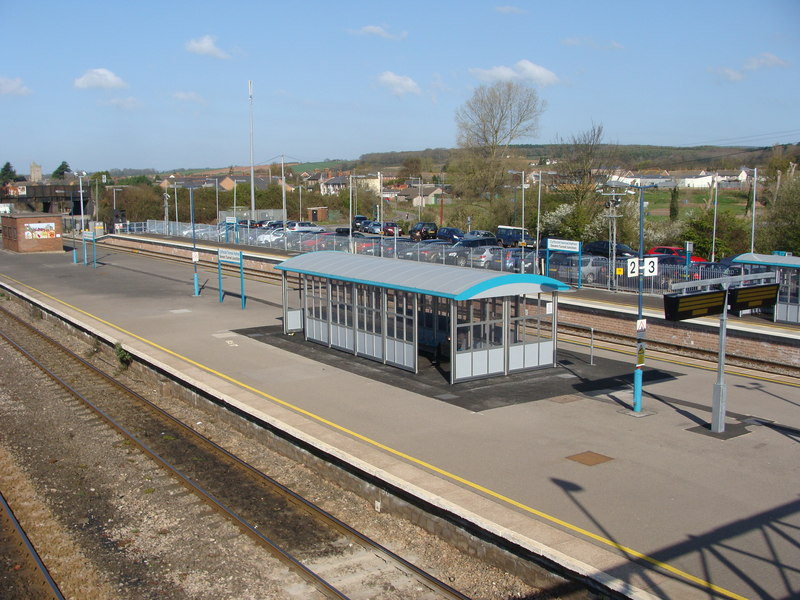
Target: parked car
[(472, 251), (357, 220), (391, 228), (271, 236), (516, 260), (373, 227), (514, 236), (674, 251), (423, 231), (603, 248), (426, 251), (479, 233), (303, 227), (450, 234), (318, 242), (592, 268)]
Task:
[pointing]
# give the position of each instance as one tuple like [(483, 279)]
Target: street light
[(216, 187), (80, 175), (522, 233), (194, 242), (640, 331), (115, 190)]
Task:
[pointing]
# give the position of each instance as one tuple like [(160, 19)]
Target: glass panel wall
[(316, 292), (479, 324)]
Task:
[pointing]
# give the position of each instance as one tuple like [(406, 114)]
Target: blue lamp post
[(640, 332)]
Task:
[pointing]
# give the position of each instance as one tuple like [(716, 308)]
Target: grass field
[(728, 201)]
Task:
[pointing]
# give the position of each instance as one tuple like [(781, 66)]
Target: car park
[(423, 230), (357, 220), (449, 234)]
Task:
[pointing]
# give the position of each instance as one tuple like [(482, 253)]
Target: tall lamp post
[(640, 331), (195, 257), (522, 233), (81, 175), (216, 187), (753, 224)]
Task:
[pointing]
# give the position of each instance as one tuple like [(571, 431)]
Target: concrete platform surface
[(653, 503)]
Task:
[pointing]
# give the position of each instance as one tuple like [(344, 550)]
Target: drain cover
[(590, 458)]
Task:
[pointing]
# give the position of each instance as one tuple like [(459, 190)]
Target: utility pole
[(252, 166)]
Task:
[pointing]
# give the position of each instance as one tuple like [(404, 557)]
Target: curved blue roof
[(444, 281)]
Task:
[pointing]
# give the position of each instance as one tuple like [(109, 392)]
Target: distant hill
[(632, 156), (629, 156)]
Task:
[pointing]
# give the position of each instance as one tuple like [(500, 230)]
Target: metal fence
[(512, 260)]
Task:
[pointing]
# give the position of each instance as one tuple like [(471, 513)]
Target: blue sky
[(164, 85)]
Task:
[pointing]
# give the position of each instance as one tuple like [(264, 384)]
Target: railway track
[(334, 559), (24, 573)]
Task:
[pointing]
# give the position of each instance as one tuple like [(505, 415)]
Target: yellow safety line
[(403, 455)]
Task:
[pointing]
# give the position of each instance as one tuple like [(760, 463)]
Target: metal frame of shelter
[(486, 323), (787, 268)]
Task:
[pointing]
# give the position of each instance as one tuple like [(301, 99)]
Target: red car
[(674, 251), (391, 228)]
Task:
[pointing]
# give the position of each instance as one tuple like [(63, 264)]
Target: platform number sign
[(649, 267)]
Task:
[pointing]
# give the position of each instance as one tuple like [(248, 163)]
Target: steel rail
[(51, 587), (316, 512)]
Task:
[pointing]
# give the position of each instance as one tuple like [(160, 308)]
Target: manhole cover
[(590, 458), (565, 399)]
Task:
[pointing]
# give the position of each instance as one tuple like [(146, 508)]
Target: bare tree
[(488, 123), (587, 162)]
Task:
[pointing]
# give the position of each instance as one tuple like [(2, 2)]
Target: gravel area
[(112, 525)]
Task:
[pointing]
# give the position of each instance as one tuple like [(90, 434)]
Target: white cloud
[(206, 45), (730, 74), (398, 84), (129, 103), (13, 87), (510, 10), (189, 97), (764, 60), (524, 70), (379, 31), (99, 78)]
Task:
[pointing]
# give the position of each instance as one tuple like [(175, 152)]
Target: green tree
[(780, 230), (61, 170), (7, 173), (733, 235), (584, 166), (673, 205)]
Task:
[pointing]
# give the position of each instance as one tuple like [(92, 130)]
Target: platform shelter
[(787, 268), (481, 323)]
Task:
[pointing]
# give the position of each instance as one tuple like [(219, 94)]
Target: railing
[(496, 259)]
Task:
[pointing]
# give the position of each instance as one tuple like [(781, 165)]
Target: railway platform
[(652, 505)]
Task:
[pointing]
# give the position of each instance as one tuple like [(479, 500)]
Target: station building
[(481, 323), (32, 232)]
